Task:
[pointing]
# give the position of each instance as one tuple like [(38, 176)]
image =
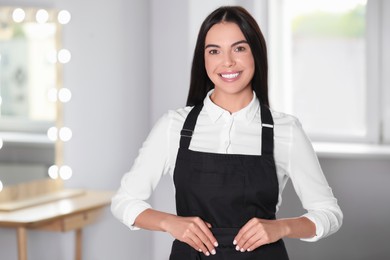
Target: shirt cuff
[(319, 227), (130, 216)]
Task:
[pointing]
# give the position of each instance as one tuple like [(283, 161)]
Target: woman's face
[(228, 59)]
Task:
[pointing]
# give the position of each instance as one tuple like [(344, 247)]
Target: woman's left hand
[(257, 232)]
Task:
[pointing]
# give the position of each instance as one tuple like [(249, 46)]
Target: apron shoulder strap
[(189, 126), (267, 139)]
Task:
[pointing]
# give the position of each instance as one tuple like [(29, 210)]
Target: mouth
[(229, 75)]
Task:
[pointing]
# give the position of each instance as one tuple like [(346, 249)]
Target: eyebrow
[(217, 46)]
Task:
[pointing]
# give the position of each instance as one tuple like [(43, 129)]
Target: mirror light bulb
[(42, 16), (64, 95), (53, 172), (1, 186), (1, 142), (18, 15), (52, 133), (1, 100), (64, 56), (64, 17), (65, 172), (65, 134)]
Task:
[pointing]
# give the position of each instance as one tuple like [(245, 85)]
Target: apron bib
[(226, 190)]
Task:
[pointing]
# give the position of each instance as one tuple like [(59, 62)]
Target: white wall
[(109, 115)]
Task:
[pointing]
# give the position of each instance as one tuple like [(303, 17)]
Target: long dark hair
[(200, 83)]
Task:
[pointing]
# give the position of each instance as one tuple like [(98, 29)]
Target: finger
[(247, 239), (205, 236), (197, 244), (251, 242), (247, 227), (205, 227), (257, 244), (208, 224)]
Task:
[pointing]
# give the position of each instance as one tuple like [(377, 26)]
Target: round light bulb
[(65, 172), (52, 95), (1, 142), (53, 172), (1, 186), (64, 56), (64, 17), (42, 16), (65, 134), (18, 15), (1, 100), (52, 133), (64, 95)]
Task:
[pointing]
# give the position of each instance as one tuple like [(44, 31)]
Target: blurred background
[(130, 63)]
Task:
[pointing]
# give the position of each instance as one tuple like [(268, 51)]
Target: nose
[(228, 60)]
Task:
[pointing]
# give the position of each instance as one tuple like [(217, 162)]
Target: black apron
[(226, 190)]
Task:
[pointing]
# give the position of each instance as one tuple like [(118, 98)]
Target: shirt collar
[(247, 113)]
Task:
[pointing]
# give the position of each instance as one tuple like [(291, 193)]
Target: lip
[(230, 76)]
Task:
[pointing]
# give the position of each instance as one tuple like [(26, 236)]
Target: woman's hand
[(257, 232), (193, 231)]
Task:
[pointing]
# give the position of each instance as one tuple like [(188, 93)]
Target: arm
[(129, 203), (324, 216), (138, 184)]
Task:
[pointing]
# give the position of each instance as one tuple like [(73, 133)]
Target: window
[(325, 66)]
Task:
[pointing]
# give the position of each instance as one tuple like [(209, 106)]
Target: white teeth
[(230, 76)]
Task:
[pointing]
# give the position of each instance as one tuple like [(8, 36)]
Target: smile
[(229, 75)]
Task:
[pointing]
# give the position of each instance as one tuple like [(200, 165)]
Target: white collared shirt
[(218, 131)]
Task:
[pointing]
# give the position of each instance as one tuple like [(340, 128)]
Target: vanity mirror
[(32, 95)]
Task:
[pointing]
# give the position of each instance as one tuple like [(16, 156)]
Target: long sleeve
[(138, 184), (311, 185)]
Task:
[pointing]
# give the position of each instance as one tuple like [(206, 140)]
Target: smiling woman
[(230, 157)]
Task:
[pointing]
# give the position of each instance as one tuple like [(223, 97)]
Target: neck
[(231, 102)]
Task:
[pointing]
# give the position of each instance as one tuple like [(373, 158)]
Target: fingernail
[(248, 250), (213, 252), (237, 248), (200, 250), (207, 253), (242, 250), (234, 242), (215, 243)]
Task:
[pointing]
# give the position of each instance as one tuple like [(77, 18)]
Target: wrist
[(285, 228), (165, 222)]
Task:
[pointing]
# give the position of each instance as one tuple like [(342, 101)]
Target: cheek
[(210, 67)]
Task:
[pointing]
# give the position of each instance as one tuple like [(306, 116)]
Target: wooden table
[(62, 215)]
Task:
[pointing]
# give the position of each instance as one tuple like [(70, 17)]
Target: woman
[(230, 157)]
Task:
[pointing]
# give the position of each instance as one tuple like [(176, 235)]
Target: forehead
[(224, 32)]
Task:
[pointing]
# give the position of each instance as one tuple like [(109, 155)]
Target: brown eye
[(213, 52), (240, 49)]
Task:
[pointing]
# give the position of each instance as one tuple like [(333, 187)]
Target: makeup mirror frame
[(32, 192)]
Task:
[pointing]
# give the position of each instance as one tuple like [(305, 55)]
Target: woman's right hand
[(192, 231)]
